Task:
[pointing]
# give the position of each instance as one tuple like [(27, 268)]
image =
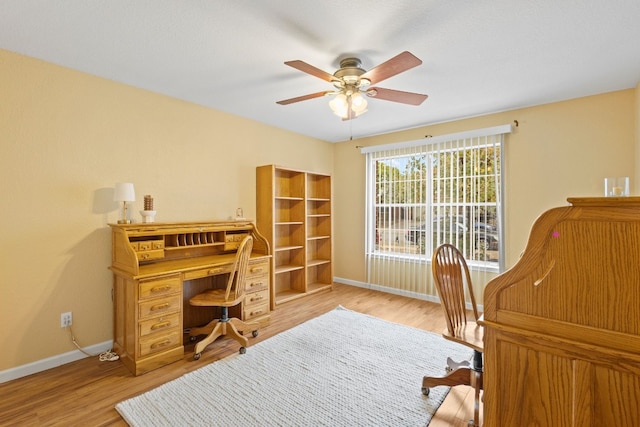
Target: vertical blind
[(420, 194)]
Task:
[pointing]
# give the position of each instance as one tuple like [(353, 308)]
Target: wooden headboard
[(562, 326)]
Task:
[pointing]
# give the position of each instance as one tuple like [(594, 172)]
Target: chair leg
[(203, 330), (219, 329), (243, 326), (232, 332), (460, 376), (477, 386), (463, 374)]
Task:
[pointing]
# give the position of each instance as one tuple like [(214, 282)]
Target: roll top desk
[(157, 267), (562, 326)]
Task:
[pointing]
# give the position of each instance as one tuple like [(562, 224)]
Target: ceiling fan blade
[(396, 95), (310, 69), (303, 98), (396, 65)]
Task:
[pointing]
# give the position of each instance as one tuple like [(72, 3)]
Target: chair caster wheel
[(254, 333), (243, 350), (196, 356), (192, 339), (425, 391)]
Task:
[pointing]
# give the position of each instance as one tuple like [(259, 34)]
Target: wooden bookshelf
[(294, 212)]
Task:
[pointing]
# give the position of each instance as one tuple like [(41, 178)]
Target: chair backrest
[(236, 283), (450, 272)]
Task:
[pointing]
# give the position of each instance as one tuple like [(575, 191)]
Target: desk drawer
[(255, 298), (256, 284), (253, 311), (159, 287), (159, 324), (160, 306), (209, 271), (151, 254), (147, 245), (258, 268), (156, 343)]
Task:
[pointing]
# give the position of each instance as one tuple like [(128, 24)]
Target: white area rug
[(340, 369)]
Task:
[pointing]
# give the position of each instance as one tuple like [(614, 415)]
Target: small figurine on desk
[(240, 215), (148, 214)]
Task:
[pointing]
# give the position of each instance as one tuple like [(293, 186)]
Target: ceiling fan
[(351, 81)]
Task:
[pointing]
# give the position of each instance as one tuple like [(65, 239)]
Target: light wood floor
[(85, 392)]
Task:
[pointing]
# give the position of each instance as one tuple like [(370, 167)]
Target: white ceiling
[(479, 56)]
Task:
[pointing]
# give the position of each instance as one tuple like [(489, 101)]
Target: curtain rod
[(495, 130)]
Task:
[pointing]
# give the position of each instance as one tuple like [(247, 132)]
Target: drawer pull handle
[(160, 325), (145, 256), (160, 306), (160, 288), (257, 270), (160, 344), (253, 313), (255, 284), (215, 270), (257, 298)]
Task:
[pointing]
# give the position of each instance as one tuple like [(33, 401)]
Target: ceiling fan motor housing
[(349, 73)]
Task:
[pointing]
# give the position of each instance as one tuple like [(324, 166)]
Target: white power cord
[(107, 356)]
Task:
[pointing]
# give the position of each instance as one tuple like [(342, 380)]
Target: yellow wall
[(637, 128), (558, 150), (65, 139)]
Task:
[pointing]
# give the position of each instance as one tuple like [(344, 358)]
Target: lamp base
[(124, 221), (148, 216)]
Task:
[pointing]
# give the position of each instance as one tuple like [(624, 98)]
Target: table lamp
[(124, 193)]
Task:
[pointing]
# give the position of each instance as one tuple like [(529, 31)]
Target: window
[(440, 190)]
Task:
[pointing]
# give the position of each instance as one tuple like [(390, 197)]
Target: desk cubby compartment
[(194, 239)]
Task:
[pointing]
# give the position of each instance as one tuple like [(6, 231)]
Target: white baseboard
[(72, 356), (52, 362), (424, 297), (387, 289)]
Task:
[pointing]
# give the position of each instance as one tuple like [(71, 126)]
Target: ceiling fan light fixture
[(339, 105), (358, 103)]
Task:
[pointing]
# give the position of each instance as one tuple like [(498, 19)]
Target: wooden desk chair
[(232, 295), (450, 272)]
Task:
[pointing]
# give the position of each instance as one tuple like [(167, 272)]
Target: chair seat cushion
[(213, 298)]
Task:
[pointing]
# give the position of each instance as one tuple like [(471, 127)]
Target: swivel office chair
[(232, 294)]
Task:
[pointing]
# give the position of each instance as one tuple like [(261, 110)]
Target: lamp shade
[(124, 192)]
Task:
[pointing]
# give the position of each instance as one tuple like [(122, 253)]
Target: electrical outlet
[(66, 319)]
